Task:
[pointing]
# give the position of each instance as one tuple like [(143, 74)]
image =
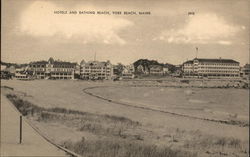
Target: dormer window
[(196, 61)]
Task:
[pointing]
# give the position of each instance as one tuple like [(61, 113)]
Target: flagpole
[(196, 52)]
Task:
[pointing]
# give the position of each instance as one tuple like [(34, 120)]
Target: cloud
[(201, 29), (222, 42), (39, 20)]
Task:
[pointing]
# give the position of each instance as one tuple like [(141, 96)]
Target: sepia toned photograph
[(134, 78)]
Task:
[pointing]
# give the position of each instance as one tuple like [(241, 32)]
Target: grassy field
[(91, 126), (210, 103)]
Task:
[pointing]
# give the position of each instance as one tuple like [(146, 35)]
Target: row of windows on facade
[(54, 74), (95, 71), (63, 70), (22, 76), (57, 69), (37, 69), (212, 67), (57, 66), (213, 71), (220, 64), (96, 74), (62, 77), (214, 75), (96, 68)]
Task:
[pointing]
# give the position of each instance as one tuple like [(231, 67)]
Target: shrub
[(23, 106), (236, 143), (123, 148), (121, 119)]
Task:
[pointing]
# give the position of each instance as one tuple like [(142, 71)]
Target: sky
[(32, 30)]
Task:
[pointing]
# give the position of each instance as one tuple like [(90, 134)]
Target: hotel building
[(52, 69), (211, 68), (38, 69), (96, 70), (21, 73)]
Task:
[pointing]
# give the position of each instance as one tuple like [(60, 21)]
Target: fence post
[(20, 134)]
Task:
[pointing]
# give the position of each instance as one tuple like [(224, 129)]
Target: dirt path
[(32, 144)]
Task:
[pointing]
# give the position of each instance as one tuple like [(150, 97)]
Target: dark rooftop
[(219, 60)]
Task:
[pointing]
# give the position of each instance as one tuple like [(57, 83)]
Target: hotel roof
[(96, 63), (63, 63), (207, 60), (56, 63)]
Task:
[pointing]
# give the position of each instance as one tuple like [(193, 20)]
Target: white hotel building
[(52, 69), (211, 68), (96, 70)]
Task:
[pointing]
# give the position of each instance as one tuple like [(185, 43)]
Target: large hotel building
[(52, 69), (96, 70), (211, 68)]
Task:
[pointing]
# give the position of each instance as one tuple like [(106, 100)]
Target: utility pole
[(20, 133)]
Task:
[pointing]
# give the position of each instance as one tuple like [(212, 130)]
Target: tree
[(172, 68), (145, 63), (118, 69)]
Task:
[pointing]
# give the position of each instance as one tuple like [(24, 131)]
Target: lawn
[(223, 104)]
